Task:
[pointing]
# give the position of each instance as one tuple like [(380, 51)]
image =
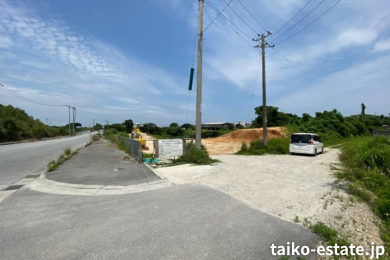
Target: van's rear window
[(300, 138)]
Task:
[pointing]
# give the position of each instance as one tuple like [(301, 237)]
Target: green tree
[(129, 125), (151, 128), (187, 126), (97, 127), (274, 117)]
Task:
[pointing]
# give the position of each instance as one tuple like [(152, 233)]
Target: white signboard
[(168, 148)]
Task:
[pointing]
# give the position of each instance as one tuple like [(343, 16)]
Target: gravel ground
[(296, 188)]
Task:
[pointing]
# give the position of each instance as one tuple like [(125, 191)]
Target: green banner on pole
[(191, 79)]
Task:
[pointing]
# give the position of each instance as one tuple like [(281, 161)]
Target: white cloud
[(5, 41), (85, 71), (382, 45), (344, 90)]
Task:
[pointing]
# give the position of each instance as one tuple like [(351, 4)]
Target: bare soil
[(230, 143)]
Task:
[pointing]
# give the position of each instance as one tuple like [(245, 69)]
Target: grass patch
[(329, 235), (274, 146), (67, 155), (366, 162), (194, 156), (95, 138)]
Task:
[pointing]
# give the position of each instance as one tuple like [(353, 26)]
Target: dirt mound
[(231, 142)]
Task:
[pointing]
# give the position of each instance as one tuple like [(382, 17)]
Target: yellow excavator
[(136, 135)]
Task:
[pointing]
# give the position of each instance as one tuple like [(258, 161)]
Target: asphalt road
[(22, 159), (178, 222)]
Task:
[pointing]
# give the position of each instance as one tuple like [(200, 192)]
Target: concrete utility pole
[(74, 117), (198, 130), (264, 45), (69, 117)]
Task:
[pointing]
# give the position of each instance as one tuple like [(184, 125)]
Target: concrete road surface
[(102, 164), (20, 160), (179, 222)]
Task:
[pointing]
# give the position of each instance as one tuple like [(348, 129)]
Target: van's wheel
[(315, 152), (322, 150)]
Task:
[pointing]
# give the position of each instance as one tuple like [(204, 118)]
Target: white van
[(306, 143)]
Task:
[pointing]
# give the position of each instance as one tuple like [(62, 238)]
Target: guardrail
[(134, 148)]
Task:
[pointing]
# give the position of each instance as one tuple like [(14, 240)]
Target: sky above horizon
[(131, 59)]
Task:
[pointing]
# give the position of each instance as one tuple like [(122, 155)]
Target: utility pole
[(93, 122), (74, 117), (264, 45), (198, 129), (69, 117)]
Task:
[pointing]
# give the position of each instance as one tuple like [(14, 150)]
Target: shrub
[(255, 148), (193, 155), (274, 146), (278, 146), (95, 138)]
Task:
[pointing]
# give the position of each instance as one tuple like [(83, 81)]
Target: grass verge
[(366, 162)]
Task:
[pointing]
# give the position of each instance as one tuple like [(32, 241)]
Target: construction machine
[(136, 135)]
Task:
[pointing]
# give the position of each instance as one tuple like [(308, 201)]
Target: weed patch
[(194, 156), (366, 162), (329, 235), (274, 146), (53, 165)]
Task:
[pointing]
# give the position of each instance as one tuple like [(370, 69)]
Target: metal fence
[(134, 148), (381, 132)]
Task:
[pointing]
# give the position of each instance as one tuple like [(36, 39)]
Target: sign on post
[(169, 148)]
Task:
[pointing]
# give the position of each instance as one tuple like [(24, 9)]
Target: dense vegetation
[(331, 125), (183, 131), (127, 126), (366, 162), (15, 125)]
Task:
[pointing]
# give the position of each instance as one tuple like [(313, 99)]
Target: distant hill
[(16, 124)]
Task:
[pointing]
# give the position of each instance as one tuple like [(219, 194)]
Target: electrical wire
[(216, 17), (292, 18), (251, 15), (300, 20), (315, 20), (238, 30), (243, 20)]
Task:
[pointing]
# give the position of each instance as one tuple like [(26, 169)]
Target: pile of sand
[(231, 142)]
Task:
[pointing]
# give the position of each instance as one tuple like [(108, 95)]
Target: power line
[(300, 20), (292, 18), (218, 14), (238, 30), (251, 15), (243, 20), (315, 20)]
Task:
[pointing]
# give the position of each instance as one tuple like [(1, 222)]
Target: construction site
[(229, 143)]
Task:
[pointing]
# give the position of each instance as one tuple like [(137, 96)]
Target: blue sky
[(115, 60)]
